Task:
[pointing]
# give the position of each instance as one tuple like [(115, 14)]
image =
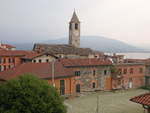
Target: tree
[(28, 94)]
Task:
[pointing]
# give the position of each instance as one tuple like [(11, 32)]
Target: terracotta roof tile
[(8, 46), (17, 53), (44, 70), (143, 99), (41, 70), (85, 62), (62, 49), (35, 54)]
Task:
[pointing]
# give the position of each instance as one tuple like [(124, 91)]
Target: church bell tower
[(74, 31)]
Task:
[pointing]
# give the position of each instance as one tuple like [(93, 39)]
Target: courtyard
[(108, 102)]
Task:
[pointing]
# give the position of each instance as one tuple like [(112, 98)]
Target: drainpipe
[(53, 73)]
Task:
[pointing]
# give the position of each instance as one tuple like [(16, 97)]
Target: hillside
[(94, 42)]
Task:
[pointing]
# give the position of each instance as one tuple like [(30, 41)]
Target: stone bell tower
[(74, 31)]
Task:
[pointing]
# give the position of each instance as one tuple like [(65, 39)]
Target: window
[(105, 72), (77, 73), (93, 85), (76, 26), (120, 71), (78, 88), (9, 60), (47, 60), (141, 70), (125, 71), (13, 60), (62, 87), (9, 66), (4, 68), (34, 61), (94, 72), (40, 60), (130, 80), (131, 70), (119, 82), (4, 60)]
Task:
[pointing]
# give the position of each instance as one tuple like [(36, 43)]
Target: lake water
[(134, 55)]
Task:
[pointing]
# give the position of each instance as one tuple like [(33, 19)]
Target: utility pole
[(53, 72)]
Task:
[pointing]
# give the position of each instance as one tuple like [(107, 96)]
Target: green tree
[(28, 94)]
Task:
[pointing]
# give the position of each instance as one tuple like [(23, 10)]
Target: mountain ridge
[(100, 43)]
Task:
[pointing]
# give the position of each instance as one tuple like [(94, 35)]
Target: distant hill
[(94, 42)]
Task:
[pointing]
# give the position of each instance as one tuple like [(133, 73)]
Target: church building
[(72, 49)]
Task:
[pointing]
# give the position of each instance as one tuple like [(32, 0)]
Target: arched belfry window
[(76, 26)]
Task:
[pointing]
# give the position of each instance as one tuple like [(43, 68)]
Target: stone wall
[(87, 77)]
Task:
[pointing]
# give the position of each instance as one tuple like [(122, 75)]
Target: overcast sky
[(35, 20)]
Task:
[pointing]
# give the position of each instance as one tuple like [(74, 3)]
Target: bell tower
[(74, 31)]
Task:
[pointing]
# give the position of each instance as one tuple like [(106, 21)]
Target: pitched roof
[(135, 60), (41, 70), (74, 18), (7, 46), (35, 54), (17, 53), (85, 62), (44, 70), (143, 99), (61, 49)]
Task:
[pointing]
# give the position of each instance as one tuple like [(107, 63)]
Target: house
[(62, 78), (116, 58), (10, 59), (7, 47), (129, 75), (69, 76), (144, 100), (147, 72), (39, 58), (90, 74)]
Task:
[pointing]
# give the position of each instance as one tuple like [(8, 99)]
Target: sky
[(38, 20)]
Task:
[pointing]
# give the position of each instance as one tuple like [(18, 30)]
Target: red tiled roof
[(44, 70), (24, 54), (8, 46), (85, 62), (135, 60), (143, 99), (17, 53), (34, 55), (41, 70)]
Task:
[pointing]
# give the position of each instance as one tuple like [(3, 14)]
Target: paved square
[(109, 102)]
